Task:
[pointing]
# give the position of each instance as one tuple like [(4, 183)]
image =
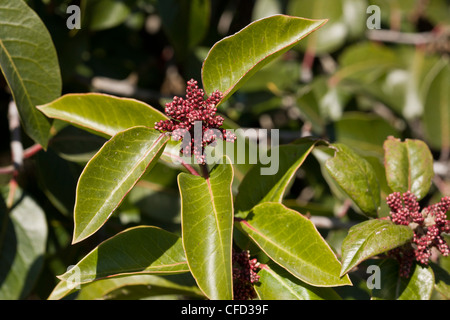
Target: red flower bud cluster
[(428, 226), (190, 111), (244, 275)]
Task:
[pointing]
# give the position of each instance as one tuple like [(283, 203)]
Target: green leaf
[(186, 22), (207, 227), (140, 286), (104, 14), (370, 238), (272, 187), (23, 240), (130, 287), (101, 113), (110, 175), (419, 285), (293, 242), (311, 105), (137, 250), (363, 131), (234, 59), (436, 117), (442, 280), (356, 177), (409, 166), (275, 283), (366, 62), (30, 65)]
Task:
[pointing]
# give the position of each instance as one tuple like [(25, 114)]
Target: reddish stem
[(7, 170), (31, 151), (189, 168)]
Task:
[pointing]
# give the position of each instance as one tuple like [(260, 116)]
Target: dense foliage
[(221, 149)]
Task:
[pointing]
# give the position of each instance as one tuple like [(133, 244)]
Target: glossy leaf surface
[(356, 177), (272, 187), (131, 287), (293, 242), (234, 59), (101, 113), (419, 285), (110, 175), (207, 227), (370, 238), (138, 250), (409, 166), (275, 283)]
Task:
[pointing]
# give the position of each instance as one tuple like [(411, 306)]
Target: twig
[(401, 37), (17, 152), (330, 223), (307, 64), (344, 209), (27, 153), (184, 164), (442, 186), (189, 168), (123, 88), (7, 170), (441, 168), (31, 151)]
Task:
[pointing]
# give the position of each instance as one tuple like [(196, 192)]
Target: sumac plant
[(238, 238)]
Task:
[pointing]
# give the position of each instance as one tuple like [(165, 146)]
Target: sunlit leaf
[(370, 238), (137, 250), (234, 59), (110, 175), (207, 225), (409, 166), (293, 242), (275, 283), (356, 177)]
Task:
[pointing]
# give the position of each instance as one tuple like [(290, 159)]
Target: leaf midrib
[(219, 231), (122, 182), (245, 222)]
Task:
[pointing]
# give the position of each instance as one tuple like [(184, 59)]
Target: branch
[(126, 88), (189, 168), (31, 151), (401, 37), (330, 223), (17, 152), (16, 139), (7, 170), (184, 164)]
